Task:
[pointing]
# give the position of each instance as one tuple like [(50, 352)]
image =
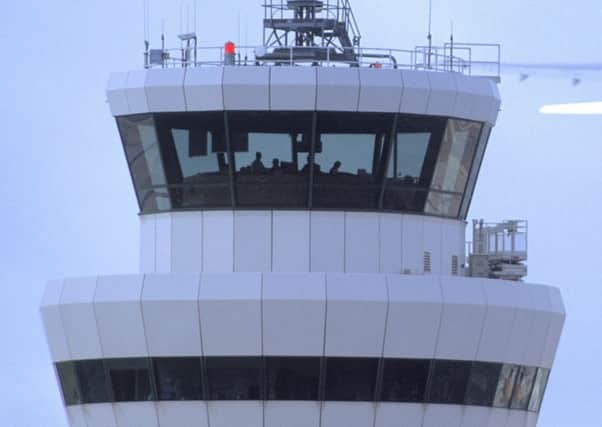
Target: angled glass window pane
[(541, 381), (92, 381), (196, 160), (178, 378), (523, 387), (144, 160), (412, 162), (404, 380), (449, 380), (443, 204), (293, 378), (351, 379), (456, 155), (69, 384), (234, 378), (484, 378), (475, 169), (505, 386), (350, 159), (130, 379), (270, 155)]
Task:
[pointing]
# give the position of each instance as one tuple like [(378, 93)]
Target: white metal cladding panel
[(357, 309), (496, 104), (413, 244), (348, 414), (327, 241), (361, 243), (218, 241), (399, 414), (79, 322), (119, 316), (498, 322), (416, 92), (230, 312), (163, 243), (136, 92), (499, 418), (53, 324), (147, 244), (380, 90), (293, 88), (519, 336), (99, 415), (442, 416), (116, 96), (292, 414), (464, 309), (338, 89), (467, 87), (182, 414), (171, 314), (235, 414), (531, 419), (165, 89), (203, 89), (247, 88), (556, 324), (75, 415), (136, 414), (414, 315), (390, 232), (187, 242), (432, 244), (442, 99), (452, 244), (476, 416), (517, 419), (540, 324), (252, 241), (290, 241), (294, 314)]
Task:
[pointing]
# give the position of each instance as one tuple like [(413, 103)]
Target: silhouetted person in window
[(334, 170), (257, 165), (305, 169), (276, 167)]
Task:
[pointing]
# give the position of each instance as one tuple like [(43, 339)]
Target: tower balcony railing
[(482, 60)]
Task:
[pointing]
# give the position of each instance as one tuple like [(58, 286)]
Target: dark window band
[(303, 379), (302, 160)]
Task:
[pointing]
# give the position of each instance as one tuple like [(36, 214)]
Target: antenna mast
[(430, 34)]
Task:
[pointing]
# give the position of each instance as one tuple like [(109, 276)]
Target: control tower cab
[(302, 253)]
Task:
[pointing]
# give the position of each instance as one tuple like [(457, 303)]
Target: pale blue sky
[(67, 206)]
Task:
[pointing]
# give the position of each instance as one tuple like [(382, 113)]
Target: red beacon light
[(230, 48)]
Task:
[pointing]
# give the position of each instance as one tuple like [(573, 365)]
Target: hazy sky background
[(68, 208)]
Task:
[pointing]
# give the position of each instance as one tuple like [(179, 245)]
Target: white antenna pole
[(195, 15), (430, 35)]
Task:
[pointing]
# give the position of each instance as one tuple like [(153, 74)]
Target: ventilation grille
[(427, 262), (454, 265)]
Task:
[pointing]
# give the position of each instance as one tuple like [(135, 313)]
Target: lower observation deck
[(292, 350)]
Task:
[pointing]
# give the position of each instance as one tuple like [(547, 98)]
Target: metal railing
[(459, 58)]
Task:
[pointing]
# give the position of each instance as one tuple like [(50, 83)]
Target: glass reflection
[(541, 381), (404, 380), (92, 381), (505, 386), (482, 386), (144, 160), (523, 388), (235, 378), (178, 378), (449, 380), (69, 384), (351, 379), (293, 378)]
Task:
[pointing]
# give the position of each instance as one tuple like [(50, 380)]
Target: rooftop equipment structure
[(311, 29)]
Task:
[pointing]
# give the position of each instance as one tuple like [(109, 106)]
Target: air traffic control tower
[(302, 244)]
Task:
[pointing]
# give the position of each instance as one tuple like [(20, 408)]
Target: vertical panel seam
[(150, 365)]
